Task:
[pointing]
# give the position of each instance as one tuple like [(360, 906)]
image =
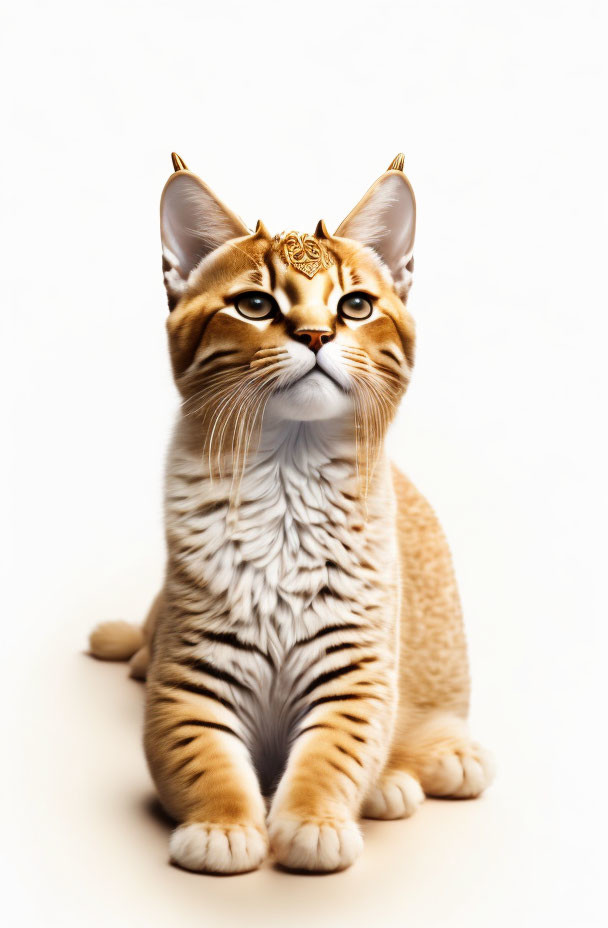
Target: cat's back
[(417, 522), (422, 543), (432, 634)]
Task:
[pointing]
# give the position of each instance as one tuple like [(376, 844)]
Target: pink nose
[(314, 338)]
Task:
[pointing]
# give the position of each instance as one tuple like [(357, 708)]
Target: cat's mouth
[(315, 373), (315, 394), (317, 369)]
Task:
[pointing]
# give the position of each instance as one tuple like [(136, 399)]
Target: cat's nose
[(314, 338)]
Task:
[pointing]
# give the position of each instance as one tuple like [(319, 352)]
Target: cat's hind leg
[(441, 754), (437, 758), (431, 740)]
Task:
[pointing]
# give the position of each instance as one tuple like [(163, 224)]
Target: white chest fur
[(300, 548)]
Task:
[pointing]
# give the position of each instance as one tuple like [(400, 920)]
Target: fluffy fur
[(305, 657)]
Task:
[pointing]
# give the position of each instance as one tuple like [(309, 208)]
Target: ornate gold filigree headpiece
[(303, 252)]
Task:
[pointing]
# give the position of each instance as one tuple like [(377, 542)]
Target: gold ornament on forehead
[(304, 252)]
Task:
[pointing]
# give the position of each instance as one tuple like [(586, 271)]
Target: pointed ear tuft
[(193, 223), (397, 162), (261, 231), (321, 230), (385, 220), (178, 163)]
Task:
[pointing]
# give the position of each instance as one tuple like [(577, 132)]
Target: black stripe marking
[(327, 677), (183, 742), (342, 771), (271, 271), (184, 763), (201, 666), (328, 630), (222, 353), (390, 354), (233, 641), (353, 718), (340, 647), (209, 508), (341, 697), (198, 691), (312, 727), (340, 275), (348, 754), (194, 778), (216, 725)]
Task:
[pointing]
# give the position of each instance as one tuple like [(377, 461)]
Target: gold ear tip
[(178, 163), (397, 163), (260, 230), (321, 230)]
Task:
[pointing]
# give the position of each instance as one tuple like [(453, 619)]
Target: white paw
[(209, 848), (315, 845), (461, 774), (397, 795)]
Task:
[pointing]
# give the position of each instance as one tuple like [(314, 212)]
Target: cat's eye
[(355, 306), (256, 305)]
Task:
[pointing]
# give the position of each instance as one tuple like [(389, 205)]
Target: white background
[(290, 111)]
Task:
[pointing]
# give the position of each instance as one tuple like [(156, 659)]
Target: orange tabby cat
[(305, 658)]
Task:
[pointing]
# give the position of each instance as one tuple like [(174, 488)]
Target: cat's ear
[(193, 222), (385, 219)]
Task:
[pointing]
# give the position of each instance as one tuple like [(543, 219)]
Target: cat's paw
[(208, 848), (138, 665), (396, 795), (461, 773), (315, 844)]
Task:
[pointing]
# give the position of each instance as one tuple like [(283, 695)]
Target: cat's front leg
[(340, 747), (204, 775)]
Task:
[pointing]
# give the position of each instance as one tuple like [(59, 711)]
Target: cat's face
[(292, 327)]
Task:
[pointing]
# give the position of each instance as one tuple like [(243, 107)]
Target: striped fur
[(305, 658)]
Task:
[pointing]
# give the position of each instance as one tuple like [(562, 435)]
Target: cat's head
[(293, 326)]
